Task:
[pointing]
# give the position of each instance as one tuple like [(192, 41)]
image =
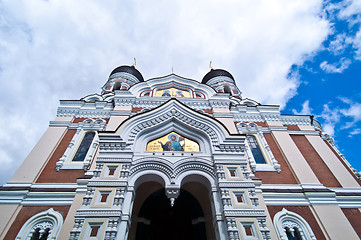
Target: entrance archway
[(158, 220)]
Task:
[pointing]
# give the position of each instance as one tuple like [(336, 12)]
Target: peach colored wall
[(123, 108), (63, 119), (332, 162), (38, 157), (69, 220), (354, 216), (220, 110), (323, 173), (8, 214), (228, 122), (294, 157), (335, 222), (114, 122)]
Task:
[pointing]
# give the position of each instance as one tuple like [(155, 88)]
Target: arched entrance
[(192, 216), (158, 220)]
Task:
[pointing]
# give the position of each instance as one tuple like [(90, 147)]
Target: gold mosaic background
[(190, 146), (174, 92)]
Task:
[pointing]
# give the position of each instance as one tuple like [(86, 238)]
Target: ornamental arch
[(189, 215)]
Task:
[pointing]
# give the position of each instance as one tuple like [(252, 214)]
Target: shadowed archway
[(158, 220)]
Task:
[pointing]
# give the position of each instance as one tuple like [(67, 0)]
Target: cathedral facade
[(176, 158)]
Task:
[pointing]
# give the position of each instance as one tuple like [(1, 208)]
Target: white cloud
[(329, 128), (341, 118), (353, 112), (340, 43), (355, 131), (357, 45), (306, 110), (349, 8), (350, 11), (54, 50), (338, 67), (331, 118)]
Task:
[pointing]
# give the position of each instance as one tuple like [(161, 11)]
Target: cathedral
[(176, 158)]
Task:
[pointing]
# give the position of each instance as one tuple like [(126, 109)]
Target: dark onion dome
[(129, 69), (216, 73)]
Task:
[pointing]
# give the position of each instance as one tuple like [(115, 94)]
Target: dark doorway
[(158, 220)]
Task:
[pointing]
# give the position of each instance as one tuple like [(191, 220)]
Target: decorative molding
[(244, 213), (47, 222), (80, 113), (254, 129), (287, 219), (98, 213)]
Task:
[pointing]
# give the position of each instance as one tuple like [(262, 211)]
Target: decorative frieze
[(82, 113)]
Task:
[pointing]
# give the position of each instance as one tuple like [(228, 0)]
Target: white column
[(124, 224), (221, 228)]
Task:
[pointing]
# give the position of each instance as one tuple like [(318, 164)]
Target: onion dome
[(216, 73), (130, 70)]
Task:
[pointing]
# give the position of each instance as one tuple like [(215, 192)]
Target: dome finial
[(134, 63), (210, 65)]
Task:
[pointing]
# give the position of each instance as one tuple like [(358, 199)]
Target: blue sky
[(330, 81), (302, 54)]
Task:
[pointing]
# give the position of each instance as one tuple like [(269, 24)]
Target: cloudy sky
[(302, 54)]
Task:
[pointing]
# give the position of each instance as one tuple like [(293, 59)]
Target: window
[(104, 197), (293, 234), (84, 147), (44, 225), (227, 89), (256, 151), (291, 226), (248, 230), (111, 171), (116, 86), (239, 197), (233, 172), (94, 231)]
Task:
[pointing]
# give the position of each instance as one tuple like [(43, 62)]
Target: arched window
[(44, 225), (256, 151), (227, 89), (116, 86), (84, 147), (291, 226)]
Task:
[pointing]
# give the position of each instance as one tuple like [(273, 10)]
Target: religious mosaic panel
[(172, 92), (173, 142)]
